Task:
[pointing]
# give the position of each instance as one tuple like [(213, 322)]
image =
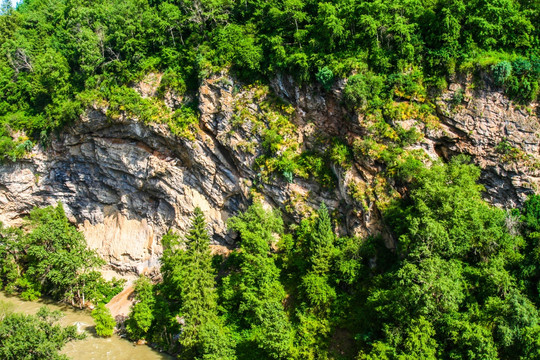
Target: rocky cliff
[(125, 183)]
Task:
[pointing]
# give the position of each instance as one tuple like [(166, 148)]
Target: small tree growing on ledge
[(105, 322)]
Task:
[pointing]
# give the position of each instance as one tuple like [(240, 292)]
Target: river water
[(93, 347)]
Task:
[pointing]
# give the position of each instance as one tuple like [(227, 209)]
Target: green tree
[(56, 253), (419, 342), (10, 256), (501, 72), (321, 246), (237, 46), (198, 298), (253, 294), (141, 315), (465, 338), (448, 218), (363, 90), (326, 77), (36, 337), (51, 258), (454, 277), (105, 322)]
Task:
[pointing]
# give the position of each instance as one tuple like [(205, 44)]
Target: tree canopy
[(461, 283), (50, 258), (34, 337), (58, 56)]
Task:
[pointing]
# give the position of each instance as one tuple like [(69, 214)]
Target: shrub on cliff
[(326, 77), (363, 90), (501, 72)]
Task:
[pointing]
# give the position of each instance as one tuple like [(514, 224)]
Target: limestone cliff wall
[(126, 183)]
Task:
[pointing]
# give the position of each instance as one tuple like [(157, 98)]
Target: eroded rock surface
[(126, 183), (501, 138)]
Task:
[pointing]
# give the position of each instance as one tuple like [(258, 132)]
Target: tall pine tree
[(203, 335), (254, 293), (322, 242), (315, 283), (313, 315)]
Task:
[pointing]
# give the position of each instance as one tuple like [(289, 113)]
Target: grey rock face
[(501, 138), (126, 183)]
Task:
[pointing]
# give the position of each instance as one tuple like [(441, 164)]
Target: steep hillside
[(126, 182), (279, 180)]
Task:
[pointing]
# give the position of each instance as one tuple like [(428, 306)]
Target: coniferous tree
[(254, 293), (313, 319), (315, 282), (105, 322), (322, 242), (203, 334)]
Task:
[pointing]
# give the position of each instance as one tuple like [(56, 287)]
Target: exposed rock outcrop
[(126, 183), (504, 140)]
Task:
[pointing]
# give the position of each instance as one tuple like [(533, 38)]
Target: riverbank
[(93, 347)]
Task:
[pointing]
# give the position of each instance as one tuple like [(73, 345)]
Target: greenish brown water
[(93, 347)]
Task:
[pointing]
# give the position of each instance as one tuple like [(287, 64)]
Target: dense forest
[(57, 56), (462, 284), (463, 281)]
